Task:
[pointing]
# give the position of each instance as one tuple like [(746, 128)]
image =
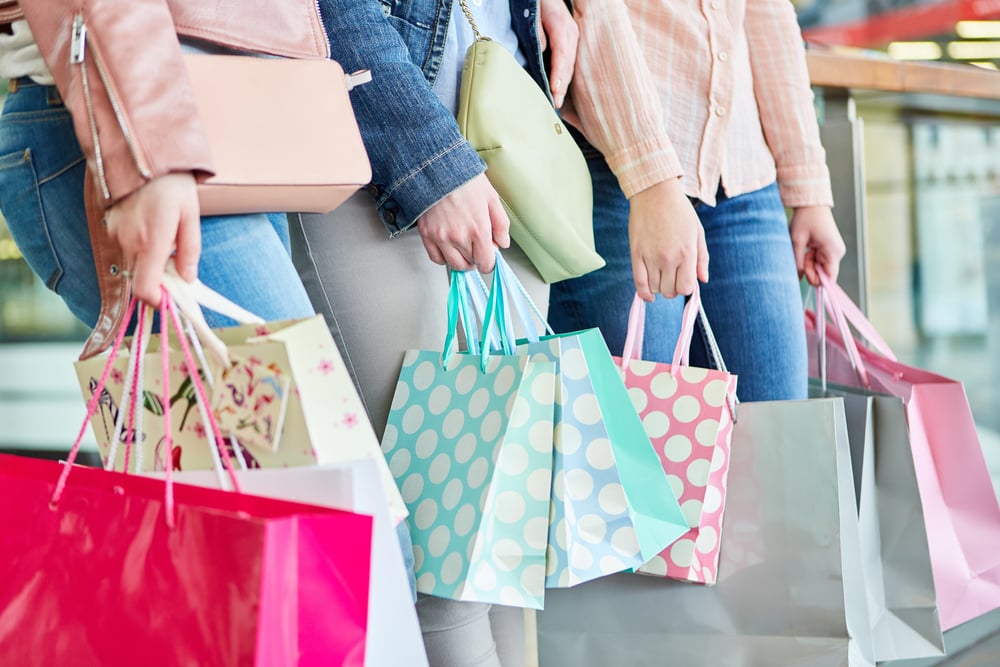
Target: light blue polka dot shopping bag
[(613, 508), (469, 442)]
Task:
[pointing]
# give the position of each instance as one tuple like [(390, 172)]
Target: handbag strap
[(472, 22)]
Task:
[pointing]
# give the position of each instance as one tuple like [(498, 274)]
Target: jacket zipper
[(78, 56), (319, 13)]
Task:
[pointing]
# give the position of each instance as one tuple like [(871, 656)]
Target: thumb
[(499, 222), (702, 267), (188, 244)]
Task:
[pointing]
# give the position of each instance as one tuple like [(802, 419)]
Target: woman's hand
[(669, 254), (560, 32), (460, 230), (150, 224), (816, 242)]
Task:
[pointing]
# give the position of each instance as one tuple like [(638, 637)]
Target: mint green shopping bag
[(613, 508), (469, 442)]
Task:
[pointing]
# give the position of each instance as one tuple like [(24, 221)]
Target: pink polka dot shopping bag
[(688, 414)]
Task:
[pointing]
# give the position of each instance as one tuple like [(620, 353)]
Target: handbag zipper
[(78, 56)]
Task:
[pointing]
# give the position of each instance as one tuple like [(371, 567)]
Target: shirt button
[(723, 56), (527, 13), (477, 3), (716, 5), (720, 111), (390, 217)]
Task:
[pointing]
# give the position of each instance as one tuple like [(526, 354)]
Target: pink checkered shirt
[(715, 91)]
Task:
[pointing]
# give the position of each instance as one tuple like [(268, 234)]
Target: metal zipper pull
[(78, 43)]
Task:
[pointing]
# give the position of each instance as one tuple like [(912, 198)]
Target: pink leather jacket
[(122, 78), (121, 75)]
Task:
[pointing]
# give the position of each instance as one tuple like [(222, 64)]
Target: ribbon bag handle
[(693, 311), (189, 299)]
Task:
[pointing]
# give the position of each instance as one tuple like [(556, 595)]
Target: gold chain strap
[(468, 14)]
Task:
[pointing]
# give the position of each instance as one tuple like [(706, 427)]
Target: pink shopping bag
[(688, 415), (105, 569), (961, 512)]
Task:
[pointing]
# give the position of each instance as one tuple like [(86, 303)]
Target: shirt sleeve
[(785, 102), (615, 100)]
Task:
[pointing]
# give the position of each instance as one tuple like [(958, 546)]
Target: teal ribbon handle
[(496, 313), (458, 306)]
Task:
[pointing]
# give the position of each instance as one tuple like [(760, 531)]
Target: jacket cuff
[(645, 164), (806, 185), (402, 204)]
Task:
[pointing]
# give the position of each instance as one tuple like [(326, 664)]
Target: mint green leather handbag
[(531, 158)]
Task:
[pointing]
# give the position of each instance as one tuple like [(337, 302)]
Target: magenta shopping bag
[(688, 414), (961, 512), (101, 580), (103, 568)]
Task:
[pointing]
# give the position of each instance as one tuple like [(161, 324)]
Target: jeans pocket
[(21, 205)]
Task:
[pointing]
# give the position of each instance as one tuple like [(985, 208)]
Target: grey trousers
[(381, 297)]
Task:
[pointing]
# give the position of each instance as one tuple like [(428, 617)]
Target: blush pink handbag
[(282, 133)]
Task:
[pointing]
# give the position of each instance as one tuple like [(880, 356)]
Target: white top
[(494, 21), (19, 56)]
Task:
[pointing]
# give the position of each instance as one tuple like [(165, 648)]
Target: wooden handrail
[(844, 70)]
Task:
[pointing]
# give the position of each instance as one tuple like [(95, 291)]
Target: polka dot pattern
[(694, 451), (472, 454), (591, 532)]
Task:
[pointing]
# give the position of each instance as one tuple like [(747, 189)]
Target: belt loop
[(12, 86), (55, 99)]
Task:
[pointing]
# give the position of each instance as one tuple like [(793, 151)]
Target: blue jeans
[(42, 174), (752, 299)]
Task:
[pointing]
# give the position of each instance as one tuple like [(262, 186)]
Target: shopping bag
[(688, 415), (469, 441), (280, 392), (961, 512), (393, 637), (101, 580), (789, 590), (895, 557), (103, 568), (612, 506)]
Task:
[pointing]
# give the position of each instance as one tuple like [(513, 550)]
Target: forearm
[(616, 99), (132, 106)]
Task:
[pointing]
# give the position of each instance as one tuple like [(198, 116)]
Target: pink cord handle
[(854, 316), (637, 327), (850, 345), (91, 407), (202, 395), (168, 314)]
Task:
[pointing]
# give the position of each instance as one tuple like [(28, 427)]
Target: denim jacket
[(417, 154)]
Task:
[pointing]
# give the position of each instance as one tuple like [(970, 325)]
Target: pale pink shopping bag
[(961, 512), (688, 415)]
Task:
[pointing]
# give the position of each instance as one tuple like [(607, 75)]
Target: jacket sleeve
[(417, 154), (124, 82), (785, 102), (615, 99)]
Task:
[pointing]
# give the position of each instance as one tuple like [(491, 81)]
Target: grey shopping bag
[(790, 588), (895, 558)]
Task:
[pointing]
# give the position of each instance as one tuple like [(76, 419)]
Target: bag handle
[(472, 22), (190, 297), (528, 313), (841, 302), (168, 314), (834, 301), (693, 310)]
